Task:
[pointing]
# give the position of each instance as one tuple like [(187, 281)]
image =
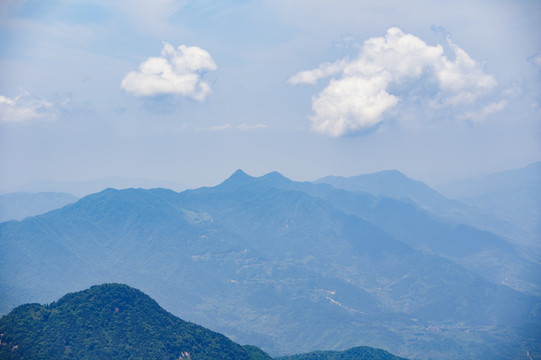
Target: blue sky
[(189, 91)]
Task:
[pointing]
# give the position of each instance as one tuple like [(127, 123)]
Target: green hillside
[(110, 321), (357, 353)]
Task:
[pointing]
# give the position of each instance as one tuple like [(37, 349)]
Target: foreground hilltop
[(110, 321), (114, 321)]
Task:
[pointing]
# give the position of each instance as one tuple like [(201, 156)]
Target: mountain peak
[(238, 178), (239, 175), (275, 176), (239, 172), (391, 172)]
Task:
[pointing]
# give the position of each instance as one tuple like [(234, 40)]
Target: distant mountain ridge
[(513, 212), (87, 187), (388, 183), (494, 182), (272, 262), (393, 184), (16, 206), (512, 195)]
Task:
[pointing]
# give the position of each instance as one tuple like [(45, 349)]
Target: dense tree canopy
[(109, 321)]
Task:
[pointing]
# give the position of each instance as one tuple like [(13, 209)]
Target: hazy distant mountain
[(395, 185), (83, 188), (283, 265), (513, 195), (388, 183), (110, 321), (493, 183), (16, 206)]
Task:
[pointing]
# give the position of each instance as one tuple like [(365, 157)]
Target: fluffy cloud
[(358, 94), (463, 79), (178, 72), (24, 108), (350, 104)]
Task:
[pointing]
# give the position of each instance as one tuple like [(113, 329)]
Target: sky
[(186, 92)]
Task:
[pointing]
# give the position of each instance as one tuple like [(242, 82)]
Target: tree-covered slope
[(110, 321), (356, 353)]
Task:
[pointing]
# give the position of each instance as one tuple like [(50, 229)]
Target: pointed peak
[(238, 173), (239, 177)]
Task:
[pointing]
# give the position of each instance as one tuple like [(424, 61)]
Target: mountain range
[(289, 266), (507, 203), (426, 220)]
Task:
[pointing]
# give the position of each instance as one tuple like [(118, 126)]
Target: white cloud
[(351, 104), (358, 95), (220, 127), (462, 79), (176, 72), (535, 60), (241, 127), (24, 108), (311, 76), (246, 127), (486, 111)]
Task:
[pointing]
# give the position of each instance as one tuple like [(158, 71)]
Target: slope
[(357, 353), (109, 321)]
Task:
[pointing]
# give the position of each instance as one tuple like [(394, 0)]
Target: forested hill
[(115, 321), (357, 353), (110, 321)]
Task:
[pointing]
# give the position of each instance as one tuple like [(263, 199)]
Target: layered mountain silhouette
[(512, 195), (395, 185), (287, 266)]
